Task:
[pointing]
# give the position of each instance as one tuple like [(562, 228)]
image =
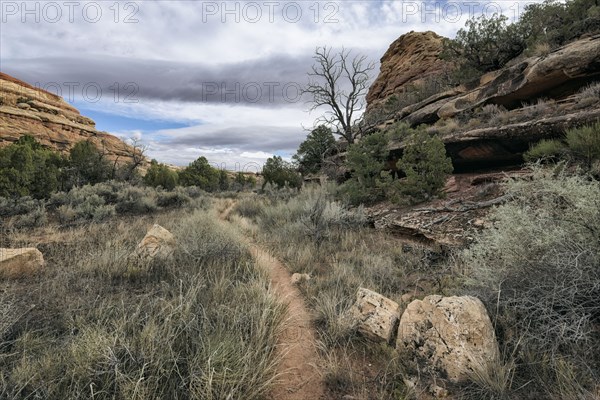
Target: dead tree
[(340, 83)]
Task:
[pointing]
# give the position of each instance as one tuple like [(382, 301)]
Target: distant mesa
[(27, 110)]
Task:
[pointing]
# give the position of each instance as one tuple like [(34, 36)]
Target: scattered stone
[(158, 242), (451, 185), (377, 316), (23, 106), (447, 336), (299, 278), (407, 297), (439, 392), (479, 223), (18, 263)]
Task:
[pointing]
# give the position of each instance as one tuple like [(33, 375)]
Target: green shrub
[(537, 270), (27, 169), (366, 160), (243, 181), (426, 166), (223, 180), (193, 191), (557, 23), (281, 173), (104, 213), (201, 174), (399, 131), (584, 143), (18, 206), (88, 165), (319, 144), (161, 175), (174, 199), (135, 200), (486, 44), (32, 219), (546, 149)]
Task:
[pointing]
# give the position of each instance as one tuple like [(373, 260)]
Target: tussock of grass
[(200, 326)]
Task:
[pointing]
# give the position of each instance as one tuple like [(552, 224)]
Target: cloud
[(228, 72)]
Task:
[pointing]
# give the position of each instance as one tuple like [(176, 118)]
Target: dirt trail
[(299, 379)]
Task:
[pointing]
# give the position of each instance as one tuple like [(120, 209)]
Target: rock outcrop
[(20, 263), (475, 139), (25, 109), (447, 336), (158, 243), (451, 222), (556, 75), (409, 60), (376, 316)]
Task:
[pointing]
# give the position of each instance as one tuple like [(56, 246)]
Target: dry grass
[(537, 269), (199, 326)]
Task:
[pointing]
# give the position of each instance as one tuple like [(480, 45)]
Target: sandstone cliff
[(25, 109), (409, 61), (492, 121), (486, 126)]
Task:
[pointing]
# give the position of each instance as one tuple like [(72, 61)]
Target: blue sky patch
[(118, 123)]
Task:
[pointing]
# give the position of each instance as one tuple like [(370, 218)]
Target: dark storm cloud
[(274, 81)]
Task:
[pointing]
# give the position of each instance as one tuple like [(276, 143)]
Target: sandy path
[(299, 379)]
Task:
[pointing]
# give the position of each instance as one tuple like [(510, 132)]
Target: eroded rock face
[(19, 263), (158, 243), (376, 315), (409, 60), (447, 336), (555, 75), (25, 109)]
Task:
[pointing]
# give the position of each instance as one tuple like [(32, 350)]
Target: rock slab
[(376, 315), (19, 263), (158, 243)]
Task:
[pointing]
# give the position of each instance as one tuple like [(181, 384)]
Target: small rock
[(439, 392), (407, 297), (23, 106), (18, 263), (451, 185), (479, 223), (377, 316), (299, 278), (158, 242)]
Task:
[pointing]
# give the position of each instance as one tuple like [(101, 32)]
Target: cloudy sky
[(212, 78)]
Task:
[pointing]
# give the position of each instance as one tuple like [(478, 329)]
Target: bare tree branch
[(339, 82)]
